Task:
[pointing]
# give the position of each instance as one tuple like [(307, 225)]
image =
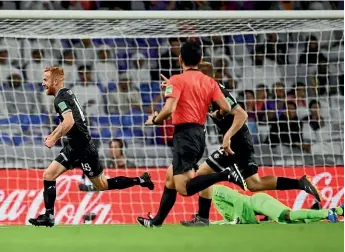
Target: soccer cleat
[(145, 181), (235, 177), (43, 220), (197, 221), (146, 222), (306, 185), (332, 216)]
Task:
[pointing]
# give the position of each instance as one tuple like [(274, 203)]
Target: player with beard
[(80, 151)]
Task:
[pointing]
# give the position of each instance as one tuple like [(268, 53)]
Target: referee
[(188, 96)]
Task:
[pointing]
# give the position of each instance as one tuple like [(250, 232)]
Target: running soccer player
[(80, 151), (237, 208), (235, 131), (188, 96)]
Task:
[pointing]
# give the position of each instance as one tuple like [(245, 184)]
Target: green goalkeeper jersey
[(232, 205)]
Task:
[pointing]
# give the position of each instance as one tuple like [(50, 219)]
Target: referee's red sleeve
[(217, 93), (173, 89)]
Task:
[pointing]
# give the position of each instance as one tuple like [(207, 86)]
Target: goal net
[(285, 68)]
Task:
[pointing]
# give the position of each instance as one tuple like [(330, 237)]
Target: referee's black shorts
[(189, 146)]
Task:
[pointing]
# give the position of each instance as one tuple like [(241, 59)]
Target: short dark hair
[(312, 102), (250, 91), (191, 53), (291, 103), (84, 67), (173, 39)]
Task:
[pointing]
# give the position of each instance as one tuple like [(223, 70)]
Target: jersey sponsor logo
[(62, 105), (168, 90), (26, 199)]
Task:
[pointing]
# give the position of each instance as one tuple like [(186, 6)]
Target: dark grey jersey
[(243, 135), (78, 136)]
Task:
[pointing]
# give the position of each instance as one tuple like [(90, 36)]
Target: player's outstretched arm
[(61, 130)]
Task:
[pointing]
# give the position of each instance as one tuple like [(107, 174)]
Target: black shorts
[(189, 147), (246, 165), (87, 160)]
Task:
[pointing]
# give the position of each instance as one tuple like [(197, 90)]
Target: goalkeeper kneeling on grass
[(237, 208)]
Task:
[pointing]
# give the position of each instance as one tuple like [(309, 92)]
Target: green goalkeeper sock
[(306, 214)]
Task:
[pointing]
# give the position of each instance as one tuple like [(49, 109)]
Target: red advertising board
[(21, 195)]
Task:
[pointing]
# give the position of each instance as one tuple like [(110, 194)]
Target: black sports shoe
[(145, 181), (197, 221), (306, 185), (235, 177), (43, 220)]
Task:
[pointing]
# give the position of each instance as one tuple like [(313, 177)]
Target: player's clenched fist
[(49, 141)]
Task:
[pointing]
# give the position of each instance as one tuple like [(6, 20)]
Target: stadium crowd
[(291, 85)]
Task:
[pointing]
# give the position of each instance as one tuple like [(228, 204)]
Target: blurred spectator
[(315, 120), (323, 80), (37, 5), (316, 129), (35, 66), (125, 99), (116, 5), (262, 94), (169, 64), (19, 100), (226, 79), (5, 65), (117, 157), (106, 68), (249, 104), (88, 93), (79, 5), (160, 5), (86, 52), (298, 96), (139, 71), (287, 130), (202, 5), (263, 70), (275, 107), (70, 68), (311, 54), (285, 5), (276, 49), (3, 107)]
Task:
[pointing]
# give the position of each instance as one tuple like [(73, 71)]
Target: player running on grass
[(239, 155), (80, 151), (188, 97), (237, 208)]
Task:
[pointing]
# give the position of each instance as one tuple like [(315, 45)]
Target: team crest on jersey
[(168, 90), (62, 106)]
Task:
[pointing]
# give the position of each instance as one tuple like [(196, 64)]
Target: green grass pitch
[(314, 237)]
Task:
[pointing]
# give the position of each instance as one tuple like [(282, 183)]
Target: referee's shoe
[(236, 177)]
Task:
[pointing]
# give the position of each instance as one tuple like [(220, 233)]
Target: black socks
[(204, 207), (122, 182), (49, 196), (287, 183), (202, 182), (167, 202)]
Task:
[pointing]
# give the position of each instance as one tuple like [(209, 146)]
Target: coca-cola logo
[(331, 196), (30, 202)]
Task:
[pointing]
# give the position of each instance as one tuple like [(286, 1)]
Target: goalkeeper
[(237, 208)]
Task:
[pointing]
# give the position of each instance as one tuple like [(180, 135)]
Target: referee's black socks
[(287, 183), (204, 207), (167, 202), (49, 196), (201, 182)]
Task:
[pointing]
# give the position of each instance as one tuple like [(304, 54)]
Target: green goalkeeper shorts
[(265, 204)]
